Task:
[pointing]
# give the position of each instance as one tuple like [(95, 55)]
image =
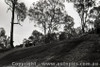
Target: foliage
[(26, 42), (20, 9), (49, 14), (2, 37), (62, 36), (2, 32), (95, 15), (50, 37), (4, 40), (37, 35), (78, 30), (35, 38), (68, 28), (83, 9)]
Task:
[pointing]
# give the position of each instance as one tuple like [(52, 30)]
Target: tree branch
[(18, 23)]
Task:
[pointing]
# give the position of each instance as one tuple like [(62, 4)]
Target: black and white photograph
[(49, 33)]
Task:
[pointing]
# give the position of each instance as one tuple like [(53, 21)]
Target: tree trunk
[(44, 31), (82, 21), (49, 31), (83, 26), (12, 26), (44, 25)]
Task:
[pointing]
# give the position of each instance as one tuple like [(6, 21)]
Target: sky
[(24, 31)]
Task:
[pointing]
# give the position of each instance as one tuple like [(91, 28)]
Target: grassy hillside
[(82, 49)]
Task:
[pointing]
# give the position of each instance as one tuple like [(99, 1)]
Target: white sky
[(25, 31)]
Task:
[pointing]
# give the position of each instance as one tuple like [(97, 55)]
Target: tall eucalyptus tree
[(49, 14), (82, 7), (21, 12)]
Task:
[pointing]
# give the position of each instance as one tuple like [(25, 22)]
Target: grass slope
[(81, 49)]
